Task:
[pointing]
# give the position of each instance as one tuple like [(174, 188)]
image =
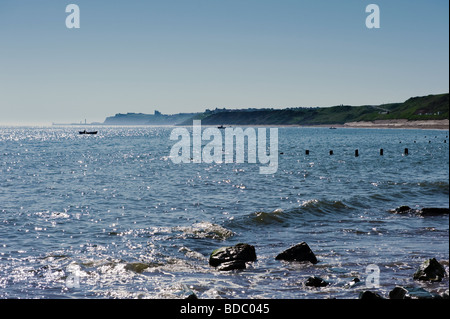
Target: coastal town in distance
[(430, 112)]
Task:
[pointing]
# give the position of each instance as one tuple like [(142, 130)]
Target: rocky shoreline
[(236, 257), (431, 270)]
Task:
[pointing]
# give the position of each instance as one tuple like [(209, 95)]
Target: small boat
[(332, 128), (87, 132), (221, 127)]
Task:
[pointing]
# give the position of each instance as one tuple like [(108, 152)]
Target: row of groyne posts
[(405, 152)]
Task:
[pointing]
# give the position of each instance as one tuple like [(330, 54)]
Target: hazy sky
[(189, 55)]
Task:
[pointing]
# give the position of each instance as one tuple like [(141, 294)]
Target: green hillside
[(431, 107)]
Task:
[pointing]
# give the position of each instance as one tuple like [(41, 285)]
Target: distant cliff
[(431, 107), (148, 119)]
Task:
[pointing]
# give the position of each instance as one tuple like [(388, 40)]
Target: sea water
[(111, 216)]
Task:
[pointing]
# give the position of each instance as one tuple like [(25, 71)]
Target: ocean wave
[(205, 230), (308, 210), (275, 217), (197, 230), (320, 207)]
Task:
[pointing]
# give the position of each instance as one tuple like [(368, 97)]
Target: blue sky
[(189, 55)]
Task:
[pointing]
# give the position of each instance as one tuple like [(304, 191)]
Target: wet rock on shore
[(300, 252), (430, 270), (231, 258), (426, 211)]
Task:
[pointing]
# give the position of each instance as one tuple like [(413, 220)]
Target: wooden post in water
[(406, 151), (381, 152), (356, 153), (331, 152), (307, 152)]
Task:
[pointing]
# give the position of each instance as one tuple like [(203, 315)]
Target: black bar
[(225, 308)]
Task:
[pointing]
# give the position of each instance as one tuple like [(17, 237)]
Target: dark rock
[(300, 252), (191, 296), (434, 211), (399, 293), (430, 270), (431, 211), (232, 265), (316, 282), (240, 252), (369, 295), (402, 210)]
